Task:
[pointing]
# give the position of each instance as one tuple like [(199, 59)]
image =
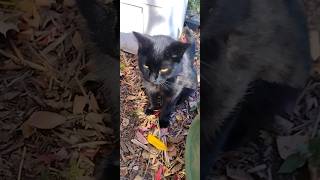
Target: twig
[(145, 172), (56, 43), (81, 87), (21, 162)]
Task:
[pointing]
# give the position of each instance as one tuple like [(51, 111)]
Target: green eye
[(164, 70), (145, 66)]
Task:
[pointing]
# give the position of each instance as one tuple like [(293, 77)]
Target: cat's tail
[(188, 38), (103, 23)]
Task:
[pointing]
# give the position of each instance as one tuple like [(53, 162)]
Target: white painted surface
[(153, 17)]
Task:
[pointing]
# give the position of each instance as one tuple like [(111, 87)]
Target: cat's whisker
[(206, 64), (206, 80)]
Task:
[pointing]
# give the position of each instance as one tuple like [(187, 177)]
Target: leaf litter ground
[(139, 159), (52, 126)]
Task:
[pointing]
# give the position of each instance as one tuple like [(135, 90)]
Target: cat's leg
[(153, 101), (169, 104)]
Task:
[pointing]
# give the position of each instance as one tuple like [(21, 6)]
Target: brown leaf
[(5, 27), (176, 168), (130, 98), (44, 3), (94, 117), (27, 130), (93, 104), (288, 145), (69, 3), (62, 154), (77, 41), (141, 138), (79, 103), (31, 11), (172, 151), (125, 122), (45, 120)]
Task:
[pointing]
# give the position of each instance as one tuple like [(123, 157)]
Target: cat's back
[(262, 34)]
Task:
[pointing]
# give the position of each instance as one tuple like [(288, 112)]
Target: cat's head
[(159, 57)]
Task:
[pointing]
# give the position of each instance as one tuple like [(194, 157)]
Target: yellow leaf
[(156, 142)]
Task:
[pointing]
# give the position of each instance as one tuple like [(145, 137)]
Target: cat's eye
[(145, 66), (164, 70)]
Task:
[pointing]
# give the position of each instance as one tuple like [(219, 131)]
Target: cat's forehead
[(161, 44)]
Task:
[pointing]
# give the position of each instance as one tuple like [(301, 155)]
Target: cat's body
[(254, 60), (168, 72), (101, 31)]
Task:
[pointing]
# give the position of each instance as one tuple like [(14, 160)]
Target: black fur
[(254, 60), (103, 22), (167, 69)]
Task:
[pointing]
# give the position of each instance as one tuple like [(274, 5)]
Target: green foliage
[(292, 163), (309, 153), (192, 154), (194, 5), (122, 66), (314, 149)]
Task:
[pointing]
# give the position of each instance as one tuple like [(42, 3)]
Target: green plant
[(194, 5), (192, 153)]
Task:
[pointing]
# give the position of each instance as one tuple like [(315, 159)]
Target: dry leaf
[(159, 173), (156, 142), (172, 151), (130, 98), (44, 3), (26, 6), (27, 130), (45, 120), (288, 145), (93, 104), (77, 41), (31, 10), (179, 117), (125, 122), (140, 137), (5, 27), (123, 171), (176, 168), (138, 178), (94, 117), (69, 3), (79, 103)]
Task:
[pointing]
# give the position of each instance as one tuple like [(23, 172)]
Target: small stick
[(21, 162)]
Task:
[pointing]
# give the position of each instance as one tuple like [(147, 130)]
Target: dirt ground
[(52, 125), (140, 160)]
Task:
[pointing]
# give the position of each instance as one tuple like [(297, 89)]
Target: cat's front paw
[(164, 123), (149, 111)]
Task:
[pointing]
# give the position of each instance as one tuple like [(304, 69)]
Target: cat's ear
[(144, 42), (177, 49)]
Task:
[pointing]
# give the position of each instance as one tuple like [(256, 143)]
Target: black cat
[(167, 70), (254, 61)]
